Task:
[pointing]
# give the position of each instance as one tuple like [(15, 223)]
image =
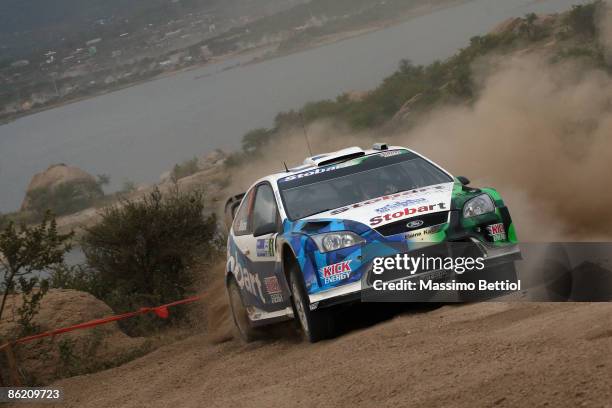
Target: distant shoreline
[(317, 42)]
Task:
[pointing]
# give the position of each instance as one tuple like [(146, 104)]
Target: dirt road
[(495, 354)]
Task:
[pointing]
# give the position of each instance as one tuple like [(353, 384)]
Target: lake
[(139, 132)]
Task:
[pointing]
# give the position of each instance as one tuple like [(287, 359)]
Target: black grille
[(399, 227)]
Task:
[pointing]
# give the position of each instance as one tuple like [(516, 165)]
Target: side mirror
[(463, 180), (265, 229)]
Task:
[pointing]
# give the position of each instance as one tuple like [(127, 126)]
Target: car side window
[(241, 221), (265, 210)]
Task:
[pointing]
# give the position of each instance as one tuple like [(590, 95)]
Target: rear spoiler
[(231, 206)]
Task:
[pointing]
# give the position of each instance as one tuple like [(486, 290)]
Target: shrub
[(32, 292), (581, 18), (77, 277), (253, 140), (128, 187), (184, 169), (66, 198), (143, 252), (25, 250)]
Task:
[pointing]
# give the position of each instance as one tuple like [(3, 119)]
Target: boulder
[(59, 174)]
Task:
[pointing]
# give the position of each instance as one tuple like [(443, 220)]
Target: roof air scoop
[(335, 157), (380, 146)]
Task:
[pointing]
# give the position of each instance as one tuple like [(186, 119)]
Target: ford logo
[(414, 224)]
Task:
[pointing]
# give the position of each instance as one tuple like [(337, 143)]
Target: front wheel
[(315, 324)]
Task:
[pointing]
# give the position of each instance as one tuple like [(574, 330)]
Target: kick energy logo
[(497, 232), (336, 272)]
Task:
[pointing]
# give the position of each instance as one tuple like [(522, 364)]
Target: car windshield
[(331, 187)]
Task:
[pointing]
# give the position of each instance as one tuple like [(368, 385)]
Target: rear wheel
[(242, 324), (315, 324)]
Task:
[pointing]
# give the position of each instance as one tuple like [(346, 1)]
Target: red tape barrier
[(160, 311)]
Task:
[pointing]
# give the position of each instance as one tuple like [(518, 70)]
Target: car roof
[(310, 162)]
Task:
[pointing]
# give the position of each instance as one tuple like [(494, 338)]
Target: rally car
[(301, 242)]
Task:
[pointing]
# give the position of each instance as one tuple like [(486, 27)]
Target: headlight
[(478, 206), (333, 241)]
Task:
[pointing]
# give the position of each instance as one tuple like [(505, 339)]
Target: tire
[(316, 325), (242, 324)]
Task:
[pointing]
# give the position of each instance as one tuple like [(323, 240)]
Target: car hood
[(387, 209)]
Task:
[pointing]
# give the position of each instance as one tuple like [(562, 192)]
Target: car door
[(238, 248), (254, 237)]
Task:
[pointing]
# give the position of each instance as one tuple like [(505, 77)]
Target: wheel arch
[(287, 258), (229, 276)]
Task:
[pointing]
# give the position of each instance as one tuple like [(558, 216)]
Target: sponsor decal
[(246, 280), (399, 204), (265, 247), (392, 153), (336, 272), (422, 235), (415, 224), (497, 232), (272, 285), (407, 212), (422, 191), (309, 173)]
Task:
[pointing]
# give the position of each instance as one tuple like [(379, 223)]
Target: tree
[(581, 18), (25, 250), (128, 187), (184, 169), (103, 180), (143, 251), (253, 140)]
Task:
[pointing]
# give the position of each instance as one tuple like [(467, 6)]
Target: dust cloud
[(539, 132)]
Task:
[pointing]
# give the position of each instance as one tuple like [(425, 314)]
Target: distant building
[(172, 33), (206, 52), (92, 42), (20, 64)]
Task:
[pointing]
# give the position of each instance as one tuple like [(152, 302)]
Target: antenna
[(305, 133), (286, 169)]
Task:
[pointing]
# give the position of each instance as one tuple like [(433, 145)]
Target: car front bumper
[(352, 292)]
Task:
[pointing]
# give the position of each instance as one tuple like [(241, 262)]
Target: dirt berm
[(478, 355), (47, 359)]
